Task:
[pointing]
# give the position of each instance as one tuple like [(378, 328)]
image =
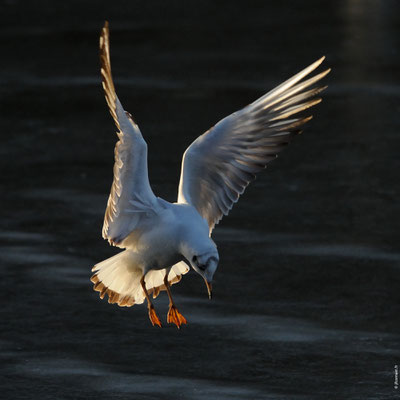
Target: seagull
[(162, 240)]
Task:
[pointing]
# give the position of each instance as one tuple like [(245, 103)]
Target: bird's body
[(156, 249), (162, 239)]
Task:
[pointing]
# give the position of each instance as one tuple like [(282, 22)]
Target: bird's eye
[(194, 259)]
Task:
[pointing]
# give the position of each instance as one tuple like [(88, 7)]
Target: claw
[(154, 317), (175, 317)]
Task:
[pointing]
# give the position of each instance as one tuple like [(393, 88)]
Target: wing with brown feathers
[(131, 199)]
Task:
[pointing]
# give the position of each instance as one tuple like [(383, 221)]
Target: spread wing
[(131, 199), (218, 165)]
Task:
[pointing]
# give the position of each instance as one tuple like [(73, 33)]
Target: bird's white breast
[(160, 242)]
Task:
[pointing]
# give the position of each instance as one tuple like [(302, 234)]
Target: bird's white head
[(206, 265), (205, 262)]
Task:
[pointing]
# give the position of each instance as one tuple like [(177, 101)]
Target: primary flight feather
[(161, 239)]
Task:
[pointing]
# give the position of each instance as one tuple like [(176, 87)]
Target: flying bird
[(162, 240)]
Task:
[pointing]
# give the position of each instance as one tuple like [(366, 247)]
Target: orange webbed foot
[(154, 317), (175, 317)]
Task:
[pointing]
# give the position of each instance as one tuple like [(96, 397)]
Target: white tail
[(119, 277)]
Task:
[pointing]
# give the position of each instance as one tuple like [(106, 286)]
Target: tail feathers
[(119, 277)]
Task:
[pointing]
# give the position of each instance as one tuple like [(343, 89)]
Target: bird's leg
[(173, 316), (152, 312)]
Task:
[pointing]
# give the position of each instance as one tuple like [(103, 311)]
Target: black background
[(306, 297)]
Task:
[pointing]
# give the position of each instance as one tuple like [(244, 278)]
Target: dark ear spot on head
[(202, 267), (194, 259)]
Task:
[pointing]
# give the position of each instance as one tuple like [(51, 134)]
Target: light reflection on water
[(102, 378), (305, 245)]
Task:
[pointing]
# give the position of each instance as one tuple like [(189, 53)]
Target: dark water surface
[(307, 293)]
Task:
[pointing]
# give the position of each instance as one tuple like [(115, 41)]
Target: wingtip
[(323, 74), (104, 34), (317, 63), (316, 101)]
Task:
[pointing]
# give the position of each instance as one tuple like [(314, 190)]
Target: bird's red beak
[(209, 288)]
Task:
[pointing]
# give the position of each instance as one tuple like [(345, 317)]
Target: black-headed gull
[(161, 239)]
